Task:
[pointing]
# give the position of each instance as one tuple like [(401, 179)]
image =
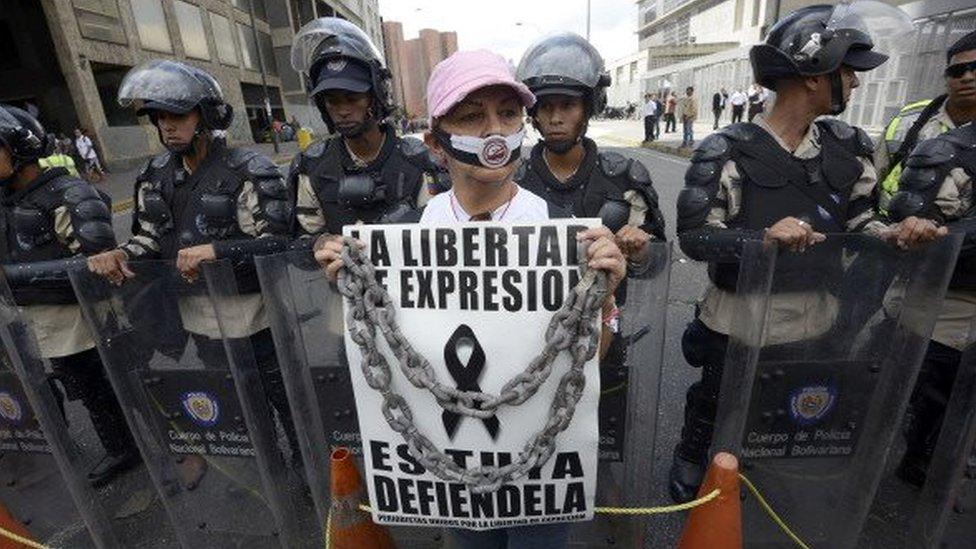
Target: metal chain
[(573, 328)]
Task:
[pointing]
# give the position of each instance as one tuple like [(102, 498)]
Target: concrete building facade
[(733, 26), (68, 57), (411, 61)]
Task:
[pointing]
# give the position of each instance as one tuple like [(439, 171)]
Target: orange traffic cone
[(351, 527), (718, 523), (10, 524)]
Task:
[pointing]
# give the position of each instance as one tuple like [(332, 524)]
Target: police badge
[(201, 407), (808, 405)]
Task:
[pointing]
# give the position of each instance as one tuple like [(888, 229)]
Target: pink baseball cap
[(463, 72)]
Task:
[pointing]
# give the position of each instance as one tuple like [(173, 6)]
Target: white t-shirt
[(524, 207), (738, 98), (650, 108), (84, 146)]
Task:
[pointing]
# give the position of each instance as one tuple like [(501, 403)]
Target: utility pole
[(588, 20), (264, 77)]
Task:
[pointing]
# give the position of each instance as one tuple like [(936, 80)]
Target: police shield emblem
[(202, 408), (10, 409), (808, 405)]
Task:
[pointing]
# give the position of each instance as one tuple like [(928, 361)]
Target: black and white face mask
[(492, 151)]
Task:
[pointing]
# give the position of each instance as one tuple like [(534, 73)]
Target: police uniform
[(938, 184), (54, 218), (937, 121), (334, 188), (604, 183), (237, 201), (742, 180)]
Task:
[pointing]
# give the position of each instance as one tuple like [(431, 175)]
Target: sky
[(492, 24)]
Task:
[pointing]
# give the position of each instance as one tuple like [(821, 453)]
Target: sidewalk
[(119, 184), (630, 133)]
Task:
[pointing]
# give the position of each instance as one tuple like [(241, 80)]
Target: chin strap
[(837, 103)]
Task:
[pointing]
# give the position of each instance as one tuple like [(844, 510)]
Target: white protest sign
[(496, 287)]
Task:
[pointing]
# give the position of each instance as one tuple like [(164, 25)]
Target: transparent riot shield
[(198, 404), (306, 314), (43, 458), (822, 357), (944, 515)]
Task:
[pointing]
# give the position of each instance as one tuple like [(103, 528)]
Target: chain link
[(573, 328)]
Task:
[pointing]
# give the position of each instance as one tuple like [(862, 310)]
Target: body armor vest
[(775, 184), (348, 193)]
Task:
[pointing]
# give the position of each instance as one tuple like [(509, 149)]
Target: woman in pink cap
[(477, 109)]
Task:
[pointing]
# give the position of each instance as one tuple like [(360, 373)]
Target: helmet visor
[(889, 30), (166, 85), (330, 36), (561, 60)]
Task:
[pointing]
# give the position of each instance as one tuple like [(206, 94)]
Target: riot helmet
[(178, 88), (819, 40), (334, 54), (565, 64), (24, 136)]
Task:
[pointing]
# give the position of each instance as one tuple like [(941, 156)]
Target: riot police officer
[(938, 184), (365, 171), (48, 218), (202, 200), (787, 178), (566, 74)]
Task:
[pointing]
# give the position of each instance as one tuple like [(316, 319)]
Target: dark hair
[(966, 43), (690, 88)]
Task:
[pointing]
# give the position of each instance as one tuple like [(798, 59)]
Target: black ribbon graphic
[(466, 376)]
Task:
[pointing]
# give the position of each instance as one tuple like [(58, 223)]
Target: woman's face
[(493, 110)]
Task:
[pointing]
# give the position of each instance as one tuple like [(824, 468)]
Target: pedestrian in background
[(738, 100), (91, 166), (670, 123), (719, 100), (689, 113), (650, 113), (757, 101)]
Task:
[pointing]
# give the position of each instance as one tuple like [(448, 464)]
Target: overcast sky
[(492, 24)]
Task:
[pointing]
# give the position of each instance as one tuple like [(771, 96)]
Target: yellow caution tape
[(22, 540)]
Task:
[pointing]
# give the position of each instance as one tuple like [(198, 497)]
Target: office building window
[(267, 54), (245, 5), (223, 35), (191, 30), (151, 25), (249, 50)]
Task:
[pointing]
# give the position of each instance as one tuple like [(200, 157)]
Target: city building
[(705, 44), (411, 61), (68, 57)]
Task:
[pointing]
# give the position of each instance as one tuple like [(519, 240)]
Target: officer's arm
[(704, 206), (148, 218), (309, 221), (645, 212), (263, 213), (83, 221), (862, 213), (929, 186)]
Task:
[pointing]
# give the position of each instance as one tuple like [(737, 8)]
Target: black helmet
[(820, 39), (566, 64), (333, 54), (24, 135), (171, 86)]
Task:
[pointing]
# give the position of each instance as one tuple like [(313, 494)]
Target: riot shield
[(944, 515), (821, 361), (306, 314), (43, 489), (196, 404)]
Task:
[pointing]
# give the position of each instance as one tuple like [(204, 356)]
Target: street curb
[(683, 152), (122, 206)]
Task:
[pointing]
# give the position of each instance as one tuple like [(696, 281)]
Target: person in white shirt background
[(650, 117), (86, 150), (738, 101)]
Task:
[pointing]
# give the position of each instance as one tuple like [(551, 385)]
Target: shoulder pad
[(76, 191), (411, 146), (261, 167), (840, 129), (612, 164), (315, 150), (931, 153), (864, 142), (742, 131), (237, 158), (638, 174), (713, 147), (157, 162)]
